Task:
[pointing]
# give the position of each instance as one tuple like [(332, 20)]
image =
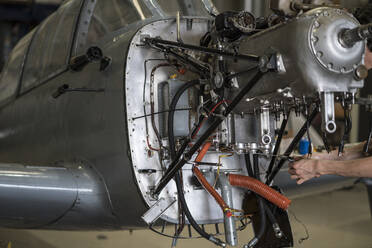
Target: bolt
[(361, 73), (266, 139)]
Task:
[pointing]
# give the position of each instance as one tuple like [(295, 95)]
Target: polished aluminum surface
[(231, 236), (325, 43), (304, 75), (65, 195)]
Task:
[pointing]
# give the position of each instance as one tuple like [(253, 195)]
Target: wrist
[(321, 167)]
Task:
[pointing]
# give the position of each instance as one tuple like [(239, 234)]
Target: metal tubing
[(229, 221), (177, 165), (293, 144), (277, 144), (212, 51)]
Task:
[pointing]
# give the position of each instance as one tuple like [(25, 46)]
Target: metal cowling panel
[(67, 196)]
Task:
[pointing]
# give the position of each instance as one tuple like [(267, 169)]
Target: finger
[(295, 177), (292, 171), (301, 181)]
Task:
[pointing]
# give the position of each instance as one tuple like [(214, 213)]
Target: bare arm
[(351, 164), (348, 168), (352, 151)]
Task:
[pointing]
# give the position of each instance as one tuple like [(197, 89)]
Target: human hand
[(303, 170)]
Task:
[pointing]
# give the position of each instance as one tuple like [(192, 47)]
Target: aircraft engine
[(173, 119), (207, 107)]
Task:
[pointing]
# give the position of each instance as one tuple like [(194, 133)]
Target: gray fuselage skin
[(37, 129)]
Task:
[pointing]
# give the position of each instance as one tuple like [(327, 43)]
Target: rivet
[(319, 54), (316, 24), (314, 39), (330, 66)]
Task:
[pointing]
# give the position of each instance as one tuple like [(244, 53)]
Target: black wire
[(151, 227), (310, 150), (270, 214), (181, 196), (248, 164), (160, 112), (261, 202), (348, 126), (307, 236), (325, 142), (172, 145)]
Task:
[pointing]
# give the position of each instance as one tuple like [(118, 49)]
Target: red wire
[(217, 105), (149, 145), (204, 119)]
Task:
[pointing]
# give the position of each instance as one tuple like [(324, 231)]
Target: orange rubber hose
[(203, 181), (203, 151), (210, 189), (261, 189)]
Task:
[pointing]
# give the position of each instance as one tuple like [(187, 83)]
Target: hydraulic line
[(177, 165), (172, 107), (277, 145), (293, 144), (325, 142), (261, 207), (348, 126), (248, 164), (266, 209), (181, 196), (198, 229)]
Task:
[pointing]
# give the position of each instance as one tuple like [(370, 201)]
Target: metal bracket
[(158, 209), (328, 112)]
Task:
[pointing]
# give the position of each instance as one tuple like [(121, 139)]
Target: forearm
[(348, 168), (351, 152)]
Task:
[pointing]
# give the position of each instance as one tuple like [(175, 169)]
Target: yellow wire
[(219, 166)]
